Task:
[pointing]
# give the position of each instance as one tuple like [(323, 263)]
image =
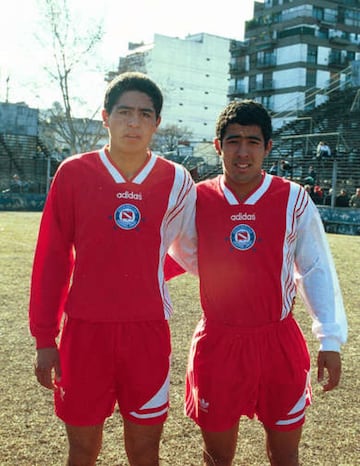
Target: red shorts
[(235, 371), (105, 363)]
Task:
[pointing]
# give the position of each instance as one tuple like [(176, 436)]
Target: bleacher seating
[(338, 124), (27, 160)]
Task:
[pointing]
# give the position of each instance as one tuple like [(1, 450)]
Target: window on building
[(266, 59), (354, 38), (268, 81), (312, 54), (330, 15), (318, 13), (296, 12), (252, 60), (311, 78), (338, 57), (297, 31), (252, 83), (323, 33), (238, 65), (352, 17), (341, 14), (237, 86), (277, 17), (339, 34), (268, 102)]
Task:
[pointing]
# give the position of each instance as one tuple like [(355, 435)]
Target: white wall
[(193, 75), (290, 77), (323, 55), (291, 54), (322, 78), (288, 101)]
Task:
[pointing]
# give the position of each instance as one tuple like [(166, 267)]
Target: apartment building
[(293, 49), (193, 74)]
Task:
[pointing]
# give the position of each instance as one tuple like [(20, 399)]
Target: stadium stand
[(26, 165)]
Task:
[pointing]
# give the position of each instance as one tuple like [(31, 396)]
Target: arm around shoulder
[(183, 250)]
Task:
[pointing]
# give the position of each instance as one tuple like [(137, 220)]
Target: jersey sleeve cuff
[(330, 344), (45, 342)]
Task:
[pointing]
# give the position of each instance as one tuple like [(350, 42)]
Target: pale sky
[(22, 59)]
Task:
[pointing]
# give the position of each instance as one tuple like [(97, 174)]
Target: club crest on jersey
[(127, 216), (242, 237)]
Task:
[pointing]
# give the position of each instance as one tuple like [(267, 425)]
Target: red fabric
[(235, 371), (107, 363), (172, 268), (102, 243)]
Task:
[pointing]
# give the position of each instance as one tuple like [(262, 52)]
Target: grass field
[(31, 435)]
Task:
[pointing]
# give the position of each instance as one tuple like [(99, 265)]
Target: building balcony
[(265, 45), (237, 68), (252, 24), (338, 61), (238, 49), (266, 62), (340, 40), (239, 90), (265, 86)]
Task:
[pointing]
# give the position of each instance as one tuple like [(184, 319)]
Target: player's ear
[(217, 145), (158, 121), (105, 118), (268, 147)]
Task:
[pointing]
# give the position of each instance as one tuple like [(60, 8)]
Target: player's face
[(242, 151), (132, 122)]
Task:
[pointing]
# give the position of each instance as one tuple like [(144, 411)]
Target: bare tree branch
[(70, 51), (168, 138)]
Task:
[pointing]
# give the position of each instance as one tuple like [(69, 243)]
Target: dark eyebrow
[(231, 137), (127, 107)]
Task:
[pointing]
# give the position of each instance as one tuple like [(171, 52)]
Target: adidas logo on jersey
[(129, 195), (241, 216)]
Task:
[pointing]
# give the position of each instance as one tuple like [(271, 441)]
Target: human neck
[(129, 163), (243, 188)]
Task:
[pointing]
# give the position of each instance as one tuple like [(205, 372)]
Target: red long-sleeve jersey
[(254, 256), (102, 242)]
